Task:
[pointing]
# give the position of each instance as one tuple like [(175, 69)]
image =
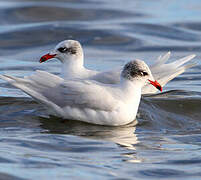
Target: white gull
[(70, 53), (88, 100)]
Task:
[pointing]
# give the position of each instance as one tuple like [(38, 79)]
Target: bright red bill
[(46, 57), (156, 84)]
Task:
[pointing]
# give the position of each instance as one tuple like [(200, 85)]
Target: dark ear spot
[(72, 50), (133, 73)]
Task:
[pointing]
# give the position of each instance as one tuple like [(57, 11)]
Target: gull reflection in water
[(124, 136)]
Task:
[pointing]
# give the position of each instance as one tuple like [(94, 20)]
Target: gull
[(71, 55), (88, 100)]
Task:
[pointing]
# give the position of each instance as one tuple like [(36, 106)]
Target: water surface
[(165, 144)]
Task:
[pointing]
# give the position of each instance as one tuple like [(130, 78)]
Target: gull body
[(71, 55), (88, 100)]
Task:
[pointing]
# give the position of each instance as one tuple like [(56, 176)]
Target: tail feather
[(161, 60), (13, 80), (162, 70), (163, 73), (165, 79), (182, 61), (31, 88), (44, 79)]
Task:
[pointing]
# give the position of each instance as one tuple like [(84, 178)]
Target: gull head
[(138, 70), (68, 50)]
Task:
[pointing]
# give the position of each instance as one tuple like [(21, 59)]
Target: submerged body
[(114, 109)]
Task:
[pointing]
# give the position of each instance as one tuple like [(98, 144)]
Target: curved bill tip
[(46, 57), (156, 84)]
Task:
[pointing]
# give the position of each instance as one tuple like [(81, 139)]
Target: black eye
[(62, 49), (65, 50), (143, 73)]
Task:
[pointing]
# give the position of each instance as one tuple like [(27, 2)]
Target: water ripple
[(165, 143)]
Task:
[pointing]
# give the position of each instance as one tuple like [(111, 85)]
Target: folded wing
[(56, 93)]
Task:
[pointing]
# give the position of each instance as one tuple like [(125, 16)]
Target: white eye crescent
[(62, 49), (143, 73)]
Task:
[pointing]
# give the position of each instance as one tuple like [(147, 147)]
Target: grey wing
[(88, 94), (59, 93), (42, 86), (44, 79), (108, 77)]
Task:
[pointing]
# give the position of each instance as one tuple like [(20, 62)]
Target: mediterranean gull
[(88, 100), (71, 55)]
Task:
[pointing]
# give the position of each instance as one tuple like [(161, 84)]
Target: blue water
[(165, 144)]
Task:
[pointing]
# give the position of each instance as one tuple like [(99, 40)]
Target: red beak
[(46, 57), (156, 84)]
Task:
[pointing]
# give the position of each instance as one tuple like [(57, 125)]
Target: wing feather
[(79, 93), (163, 73), (108, 77), (89, 94)]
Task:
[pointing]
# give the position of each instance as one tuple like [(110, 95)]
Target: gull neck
[(72, 67)]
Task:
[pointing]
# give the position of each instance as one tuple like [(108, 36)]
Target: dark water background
[(166, 144)]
